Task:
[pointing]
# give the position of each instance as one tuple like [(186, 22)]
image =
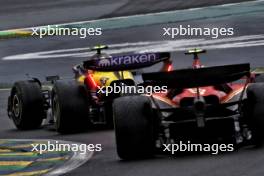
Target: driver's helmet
[(99, 54)]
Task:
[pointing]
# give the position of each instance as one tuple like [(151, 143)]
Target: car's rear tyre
[(255, 112), (70, 107), (134, 127), (26, 105)]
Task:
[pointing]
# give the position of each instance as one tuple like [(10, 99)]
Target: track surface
[(246, 162), (243, 25), (28, 13)]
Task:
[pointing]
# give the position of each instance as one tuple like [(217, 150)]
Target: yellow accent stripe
[(19, 32), (5, 150), (30, 173), (16, 163), (24, 32), (18, 153)]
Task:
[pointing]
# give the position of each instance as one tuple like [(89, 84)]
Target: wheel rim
[(16, 106), (56, 109)]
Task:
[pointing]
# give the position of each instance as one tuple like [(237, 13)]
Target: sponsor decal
[(104, 62), (129, 60)]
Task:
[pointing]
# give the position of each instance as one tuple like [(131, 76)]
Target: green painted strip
[(47, 163), (46, 155), (13, 167), (18, 156), (156, 18), (31, 173)]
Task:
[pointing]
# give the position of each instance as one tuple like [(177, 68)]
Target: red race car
[(219, 104)]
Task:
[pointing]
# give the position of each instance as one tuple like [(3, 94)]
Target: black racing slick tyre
[(255, 112), (134, 127), (26, 105), (70, 107)]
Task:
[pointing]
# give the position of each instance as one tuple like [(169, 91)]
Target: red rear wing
[(207, 76)]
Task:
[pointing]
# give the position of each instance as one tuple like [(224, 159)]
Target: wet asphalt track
[(245, 162)]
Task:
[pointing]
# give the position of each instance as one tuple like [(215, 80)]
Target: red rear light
[(169, 68), (197, 63), (91, 82)]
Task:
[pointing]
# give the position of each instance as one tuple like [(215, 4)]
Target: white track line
[(5, 89), (149, 46), (76, 160)]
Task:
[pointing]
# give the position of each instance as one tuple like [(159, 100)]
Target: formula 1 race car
[(223, 104), (73, 105)]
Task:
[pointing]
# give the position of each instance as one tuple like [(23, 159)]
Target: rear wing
[(126, 62), (188, 78)]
